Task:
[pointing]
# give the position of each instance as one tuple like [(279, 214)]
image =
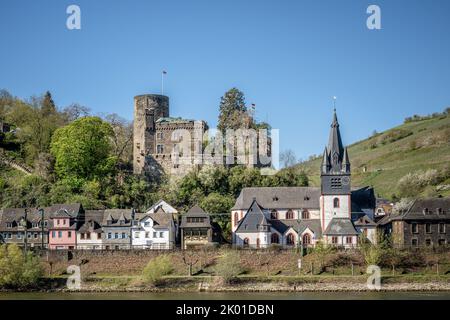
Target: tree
[(18, 270), (229, 266), (288, 158), (232, 111), (48, 106), (190, 259), (83, 149), (157, 268), (75, 111), (122, 138)]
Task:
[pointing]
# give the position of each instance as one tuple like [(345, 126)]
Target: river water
[(227, 296)]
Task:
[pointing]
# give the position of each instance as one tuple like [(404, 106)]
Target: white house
[(154, 230)]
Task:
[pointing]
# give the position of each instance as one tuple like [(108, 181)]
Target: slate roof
[(253, 219), (422, 209), (160, 204), (363, 198), (92, 221), (161, 219), (364, 221), (114, 216), (195, 212), (340, 227), (14, 215), (279, 197), (283, 225)]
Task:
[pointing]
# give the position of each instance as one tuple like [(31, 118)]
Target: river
[(438, 295)]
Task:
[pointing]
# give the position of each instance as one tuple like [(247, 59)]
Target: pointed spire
[(325, 161), (335, 147), (346, 161)]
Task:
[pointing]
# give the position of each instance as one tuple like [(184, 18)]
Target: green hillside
[(419, 147)]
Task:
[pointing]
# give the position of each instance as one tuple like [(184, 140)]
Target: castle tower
[(335, 200), (148, 108)]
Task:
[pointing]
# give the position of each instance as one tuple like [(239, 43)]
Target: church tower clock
[(335, 200)]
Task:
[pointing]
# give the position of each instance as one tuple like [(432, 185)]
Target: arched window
[(290, 239), (246, 242), (274, 214), (290, 214), (306, 239), (258, 243), (336, 202), (274, 238), (305, 214), (236, 218)]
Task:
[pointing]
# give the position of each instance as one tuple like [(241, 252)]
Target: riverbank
[(249, 284)]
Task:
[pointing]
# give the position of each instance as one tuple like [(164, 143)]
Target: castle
[(159, 141)]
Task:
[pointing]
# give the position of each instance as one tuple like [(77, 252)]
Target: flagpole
[(162, 83)]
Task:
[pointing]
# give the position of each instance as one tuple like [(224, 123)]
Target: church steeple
[(335, 169), (335, 148)]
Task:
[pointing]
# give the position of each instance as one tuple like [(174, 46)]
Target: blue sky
[(288, 57)]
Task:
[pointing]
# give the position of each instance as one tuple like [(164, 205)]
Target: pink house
[(62, 233)]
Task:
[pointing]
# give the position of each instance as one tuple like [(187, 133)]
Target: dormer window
[(306, 198), (425, 211), (439, 211), (275, 198), (109, 222), (9, 224)]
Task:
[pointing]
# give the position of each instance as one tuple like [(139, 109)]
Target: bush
[(229, 266), (18, 270), (157, 268)]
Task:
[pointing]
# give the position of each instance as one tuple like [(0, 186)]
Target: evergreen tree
[(48, 106), (232, 112)]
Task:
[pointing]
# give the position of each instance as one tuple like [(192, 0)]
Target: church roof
[(340, 227), (253, 219), (299, 226), (279, 197), (334, 140)]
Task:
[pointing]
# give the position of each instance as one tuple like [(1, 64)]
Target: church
[(334, 214)]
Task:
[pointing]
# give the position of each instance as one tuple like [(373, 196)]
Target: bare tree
[(288, 158), (190, 259)]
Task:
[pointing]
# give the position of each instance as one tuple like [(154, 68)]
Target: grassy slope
[(387, 163)]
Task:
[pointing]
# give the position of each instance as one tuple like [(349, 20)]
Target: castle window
[(439, 211), (274, 238), (428, 242), (336, 203), (274, 214), (290, 214), (305, 214), (138, 145)]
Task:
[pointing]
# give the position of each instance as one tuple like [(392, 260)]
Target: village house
[(154, 231), (90, 234), (62, 231), (25, 226), (116, 227), (335, 213), (424, 222), (197, 229)]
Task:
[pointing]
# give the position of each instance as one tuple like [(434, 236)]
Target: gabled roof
[(436, 209), (279, 197), (92, 221), (114, 215), (364, 221), (196, 210), (340, 227), (253, 219), (162, 204), (282, 226)]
